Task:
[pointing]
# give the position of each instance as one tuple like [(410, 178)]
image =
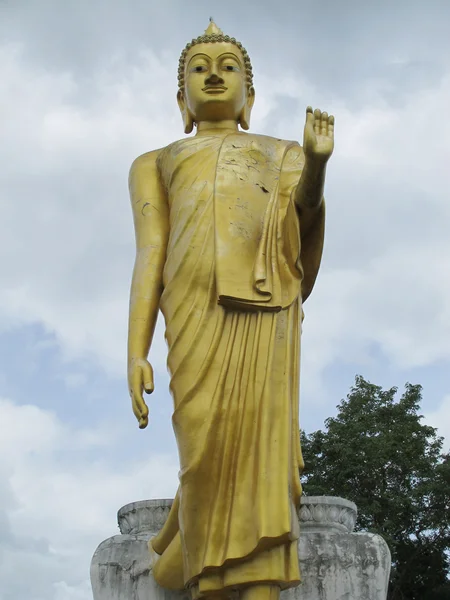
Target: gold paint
[(229, 235), (213, 29)]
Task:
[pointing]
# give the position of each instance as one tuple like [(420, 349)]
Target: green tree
[(377, 453)]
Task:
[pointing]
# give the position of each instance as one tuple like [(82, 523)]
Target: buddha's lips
[(215, 88)]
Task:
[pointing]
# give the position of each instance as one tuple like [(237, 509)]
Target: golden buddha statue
[(229, 235)]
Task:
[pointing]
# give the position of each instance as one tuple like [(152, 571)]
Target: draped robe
[(237, 269)]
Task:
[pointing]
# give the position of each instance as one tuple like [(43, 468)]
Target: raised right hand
[(140, 378), (318, 136)]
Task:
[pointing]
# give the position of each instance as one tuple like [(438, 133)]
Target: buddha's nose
[(214, 78)]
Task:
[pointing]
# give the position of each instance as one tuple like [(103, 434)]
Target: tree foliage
[(378, 453)]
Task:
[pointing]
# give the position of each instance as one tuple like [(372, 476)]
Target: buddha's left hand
[(318, 136)]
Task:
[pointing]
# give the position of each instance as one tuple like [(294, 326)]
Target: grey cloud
[(336, 45), (66, 217), (57, 506)]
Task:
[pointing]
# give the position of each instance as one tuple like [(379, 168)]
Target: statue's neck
[(217, 127)]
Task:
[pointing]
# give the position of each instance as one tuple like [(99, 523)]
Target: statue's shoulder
[(269, 142), (145, 161), (153, 159), (287, 154), (265, 138)]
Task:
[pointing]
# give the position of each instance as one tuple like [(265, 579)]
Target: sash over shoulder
[(257, 228)]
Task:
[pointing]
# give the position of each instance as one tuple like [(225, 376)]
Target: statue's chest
[(188, 170)]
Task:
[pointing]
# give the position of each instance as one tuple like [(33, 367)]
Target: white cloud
[(59, 492), (65, 217), (440, 418), (383, 281), (67, 592)]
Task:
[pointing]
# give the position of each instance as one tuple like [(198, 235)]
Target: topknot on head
[(212, 28)]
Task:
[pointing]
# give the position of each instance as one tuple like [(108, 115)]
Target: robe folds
[(237, 270)]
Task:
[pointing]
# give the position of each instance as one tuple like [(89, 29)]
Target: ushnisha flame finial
[(212, 35), (212, 28)]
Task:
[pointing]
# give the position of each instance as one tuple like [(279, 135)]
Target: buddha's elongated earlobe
[(244, 117), (188, 119)]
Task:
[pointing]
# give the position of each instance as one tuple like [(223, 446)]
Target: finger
[(138, 402), (143, 422), (136, 382), (136, 407), (317, 115), (140, 409), (309, 116), (148, 378), (331, 126), (324, 123)]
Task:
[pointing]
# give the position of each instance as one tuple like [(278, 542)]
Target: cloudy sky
[(88, 85)]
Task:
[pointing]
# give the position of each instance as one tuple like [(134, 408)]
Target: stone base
[(335, 563)]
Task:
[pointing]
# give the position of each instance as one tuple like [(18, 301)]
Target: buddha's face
[(215, 83)]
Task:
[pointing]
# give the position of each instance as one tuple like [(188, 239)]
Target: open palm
[(318, 136)]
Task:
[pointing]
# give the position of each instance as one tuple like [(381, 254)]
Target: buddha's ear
[(244, 117), (186, 115)]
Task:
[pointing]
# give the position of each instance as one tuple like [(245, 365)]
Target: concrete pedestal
[(335, 563)]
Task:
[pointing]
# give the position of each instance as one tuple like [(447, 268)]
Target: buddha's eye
[(231, 68), (198, 69)]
